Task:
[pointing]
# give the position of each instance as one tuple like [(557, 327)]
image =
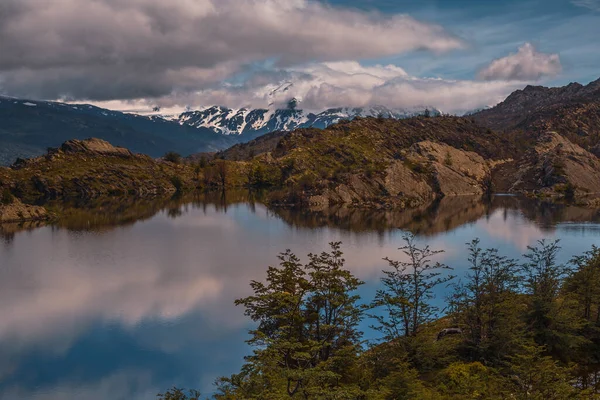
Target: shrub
[(173, 157), (448, 160), (7, 197), (177, 182)]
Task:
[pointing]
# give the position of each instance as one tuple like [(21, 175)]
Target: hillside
[(89, 169), (28, 128), (375, 161), (404, 163), (363, 163), (573, 111)]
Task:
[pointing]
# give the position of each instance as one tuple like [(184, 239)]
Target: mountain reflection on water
[(434, 218), (122, 299)]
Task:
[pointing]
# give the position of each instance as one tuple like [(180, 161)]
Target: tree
[(203, 161), (197, 171), (486, 306), (408, 288), (7, 197), (222, 169), (583, 287), (306, 342), (539, 377), (173, 157), (179, 394), (584, 284), (550, 319)]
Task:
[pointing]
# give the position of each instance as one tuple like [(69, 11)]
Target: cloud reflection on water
[(165, 286)]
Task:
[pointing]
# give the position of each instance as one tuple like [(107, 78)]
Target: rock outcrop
[(554, 166), (87, 169), (19, 212), (94, 146)]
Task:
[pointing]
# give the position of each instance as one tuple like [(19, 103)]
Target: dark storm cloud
[(124, 49)]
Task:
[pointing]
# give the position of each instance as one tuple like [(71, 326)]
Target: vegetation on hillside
[(368, 163), (512, 329)]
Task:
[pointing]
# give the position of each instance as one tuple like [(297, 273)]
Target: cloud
[(341, 84), (132, 49), (593, 5), (526, 65), (128, 384)]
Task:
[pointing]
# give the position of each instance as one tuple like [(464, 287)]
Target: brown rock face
[(456, 172), (554, 166), (428, 170)]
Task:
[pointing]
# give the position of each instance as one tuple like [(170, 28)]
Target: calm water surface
[(122, 302)]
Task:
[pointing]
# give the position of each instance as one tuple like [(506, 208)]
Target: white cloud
[(132, 49), (593, 5), (341, 84), (525, 65)]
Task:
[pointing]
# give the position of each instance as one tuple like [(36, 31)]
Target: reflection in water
[(439, 216), (122, 300)]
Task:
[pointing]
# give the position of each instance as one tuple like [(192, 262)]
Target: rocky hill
[(87, 169), (367, 162), (386, 162), (572, 111), (375, 162)]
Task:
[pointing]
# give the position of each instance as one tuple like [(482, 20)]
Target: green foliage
[(179, 394), (306, 344), (408, 289), (173, 157), (7, 197), (540, 377), (203, 161), (177, 183), (521, 331), (471, 381), (264, 175), (548, 316), (416, 166), (486, 305)]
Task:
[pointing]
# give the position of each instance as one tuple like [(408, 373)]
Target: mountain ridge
[(251, 123)]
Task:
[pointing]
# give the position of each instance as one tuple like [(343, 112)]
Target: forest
[(524, 328)]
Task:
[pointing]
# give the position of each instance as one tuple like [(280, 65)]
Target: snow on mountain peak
[(252, 123)]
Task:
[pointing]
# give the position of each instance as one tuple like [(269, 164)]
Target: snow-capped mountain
[(256, 122)]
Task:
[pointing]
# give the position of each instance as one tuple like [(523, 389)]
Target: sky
[(455, 55)]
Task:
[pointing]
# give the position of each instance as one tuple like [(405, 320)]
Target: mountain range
[(28, 127), (251, 123), (540, 142)]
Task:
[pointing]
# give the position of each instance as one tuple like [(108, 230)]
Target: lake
[(121, 301)]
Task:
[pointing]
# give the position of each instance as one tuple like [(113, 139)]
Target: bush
[(7, 197), (177, 182), (448, 160), (173, 157)]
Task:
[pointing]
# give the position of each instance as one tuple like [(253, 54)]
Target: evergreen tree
[(486, 305), (306, 344), (550, 319)]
